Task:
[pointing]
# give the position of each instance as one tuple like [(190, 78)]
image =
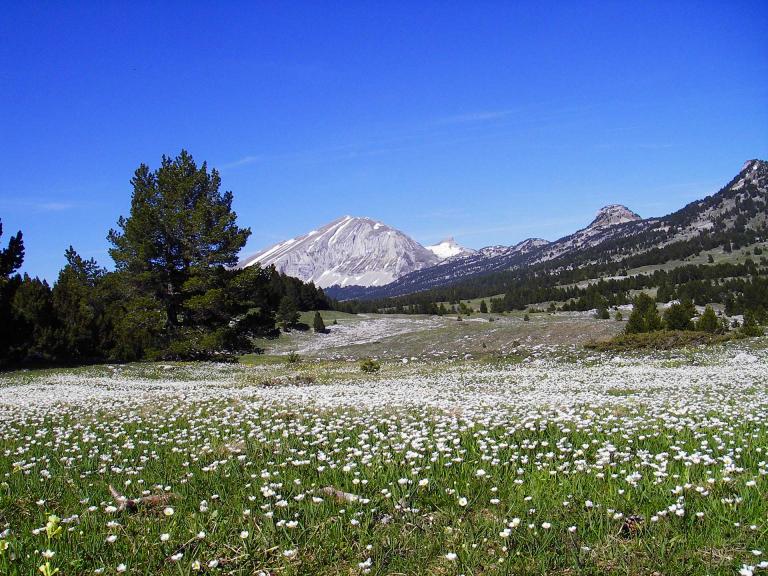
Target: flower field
[(592, 465)]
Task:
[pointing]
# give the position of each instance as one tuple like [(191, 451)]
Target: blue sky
[(487, 121)]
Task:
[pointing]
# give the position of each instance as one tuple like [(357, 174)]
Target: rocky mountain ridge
[(738, 212)]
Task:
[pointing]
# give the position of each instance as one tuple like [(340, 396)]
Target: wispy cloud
[(38, 205), (244, 161), (437, 132), (54, 206)]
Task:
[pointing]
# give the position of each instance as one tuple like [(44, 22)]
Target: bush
[(318, 324), (369, 365), (708, 321), (751, 328), (678, 316), (659, 340), (645, 317), (293, 358), (197, 344)]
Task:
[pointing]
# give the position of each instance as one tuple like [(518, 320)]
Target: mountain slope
[(347, 251), (616, 237)]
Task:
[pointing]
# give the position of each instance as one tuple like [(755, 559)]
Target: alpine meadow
[(543, 352)]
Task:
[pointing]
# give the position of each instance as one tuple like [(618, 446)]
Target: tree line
[(740, 287), (175, 292)]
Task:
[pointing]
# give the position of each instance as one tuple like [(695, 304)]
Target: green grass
[(246, 438)]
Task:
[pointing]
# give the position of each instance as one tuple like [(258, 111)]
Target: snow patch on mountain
[(522, 247), (448, 248)]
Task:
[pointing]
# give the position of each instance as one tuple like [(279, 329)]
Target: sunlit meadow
[(552, 465)]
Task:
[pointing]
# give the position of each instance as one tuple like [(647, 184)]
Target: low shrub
[(369, 365), (659, 340)]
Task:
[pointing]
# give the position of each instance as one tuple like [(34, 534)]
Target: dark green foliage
[(659, 340), (645, 317), (665, 293), (33, 322), (287, 313), (602, 313), (750, 327), (619, 316), (318, 325), (79, 308), (483, 307), (179, 231), (526, 318), (12, 257), (708, 321), (679, 316)]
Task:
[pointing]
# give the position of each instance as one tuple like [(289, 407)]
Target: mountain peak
[(613, 214), (753, 171), (753, 164), (351, 250), (448, 248)]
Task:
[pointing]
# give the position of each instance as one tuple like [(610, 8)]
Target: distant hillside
[(616, 239)]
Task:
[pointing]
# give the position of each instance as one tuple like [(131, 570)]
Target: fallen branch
[(133, 504)]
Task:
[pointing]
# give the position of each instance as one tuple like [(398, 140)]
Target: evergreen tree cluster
[(174, 292), (740, 287), (682, 315)]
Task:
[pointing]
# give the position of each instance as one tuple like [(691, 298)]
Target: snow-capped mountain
[(348, 251), (448, 248)]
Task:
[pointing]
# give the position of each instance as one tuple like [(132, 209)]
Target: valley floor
[(392, 336), (550, 462)]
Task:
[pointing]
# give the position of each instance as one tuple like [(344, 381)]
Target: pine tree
[(11, 258), (750, 327), (180, 227), (708, 321), (33, 322), (78, 309), (483, 307), (678, 316), (645, 317), (318, 324), (287, 313)]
